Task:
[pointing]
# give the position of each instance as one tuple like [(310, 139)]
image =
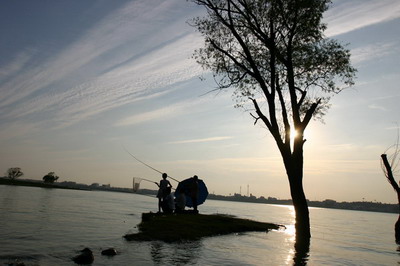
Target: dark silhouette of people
[(180, 201), (162, 191), (194, 191), (168, 203)]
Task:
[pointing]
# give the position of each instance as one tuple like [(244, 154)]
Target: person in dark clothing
[(162, 191), (194, 191)]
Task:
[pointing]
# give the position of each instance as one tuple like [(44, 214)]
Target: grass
[(180, 227)]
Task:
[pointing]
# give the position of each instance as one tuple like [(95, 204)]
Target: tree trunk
[(299, 201), (396, 187), (397, 231), (294, 169), (301, 208), (302, 225)]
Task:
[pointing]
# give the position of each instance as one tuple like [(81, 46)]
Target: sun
[(293, 134)]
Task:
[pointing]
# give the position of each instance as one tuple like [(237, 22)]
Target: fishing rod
[(149, 166)]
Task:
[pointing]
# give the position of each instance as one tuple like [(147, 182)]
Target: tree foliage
[(50, 178), (14, 172), (274, 54)]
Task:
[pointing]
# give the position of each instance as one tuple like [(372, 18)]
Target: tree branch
[(284, 112), (389, 174), (310, 113)]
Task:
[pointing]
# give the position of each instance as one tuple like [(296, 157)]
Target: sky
[(81, 81)]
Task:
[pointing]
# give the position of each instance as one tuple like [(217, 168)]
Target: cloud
[(161, 113), (17, 129), (341, 147), (211, 139), (377, 107), (373, 52), (140, 80), (270, 165), (339, 166), (129, 55), (170, 111), (19, 62), (346, 16), (393, 127)]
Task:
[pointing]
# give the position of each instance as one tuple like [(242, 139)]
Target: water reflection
[(398, 251), (302, 249), (175, 253), (45, 205), (156, 253), (8, 198), (300, 253)]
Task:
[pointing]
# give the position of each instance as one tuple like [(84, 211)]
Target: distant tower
[(240, 190), (248, 190)]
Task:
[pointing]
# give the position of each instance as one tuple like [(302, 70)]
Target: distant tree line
[(15, 172), (328, 203)]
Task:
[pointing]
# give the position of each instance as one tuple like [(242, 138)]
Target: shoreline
[(327, 204)]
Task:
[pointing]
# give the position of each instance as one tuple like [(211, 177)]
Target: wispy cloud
[(18, 62), (345, 166), (170, 111), (346, 16), (271, 165), (377, 107), (211, 139), (17, 129), (161, 113), (341, 147), (73, 86), (373, 52)]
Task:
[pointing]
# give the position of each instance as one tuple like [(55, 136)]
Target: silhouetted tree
[(50, 178), (274, 53), (389, 166), (14, 172)]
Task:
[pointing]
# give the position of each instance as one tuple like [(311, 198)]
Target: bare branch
[(255, 117), (389, 174)]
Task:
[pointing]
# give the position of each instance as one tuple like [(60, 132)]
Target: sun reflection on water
[(289, 258), (290, 236), (290, 232)]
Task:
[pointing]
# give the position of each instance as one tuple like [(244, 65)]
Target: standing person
[(162, 191), (194, 192)]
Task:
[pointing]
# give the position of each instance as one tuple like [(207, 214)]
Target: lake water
[(41, 226)]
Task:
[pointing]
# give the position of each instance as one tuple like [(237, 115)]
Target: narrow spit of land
[(181, 227)]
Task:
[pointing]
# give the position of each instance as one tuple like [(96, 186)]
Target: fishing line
[(145, 179), (137, 159), (136, 182)]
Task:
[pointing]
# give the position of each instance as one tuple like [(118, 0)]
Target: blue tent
[(184, 186)]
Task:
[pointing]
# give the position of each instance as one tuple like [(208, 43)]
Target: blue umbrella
[(184, 187)]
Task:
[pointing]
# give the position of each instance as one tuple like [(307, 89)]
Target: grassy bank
[(178, 227)]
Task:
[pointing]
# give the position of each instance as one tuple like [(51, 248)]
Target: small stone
[(86, 257), (109, 252)]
